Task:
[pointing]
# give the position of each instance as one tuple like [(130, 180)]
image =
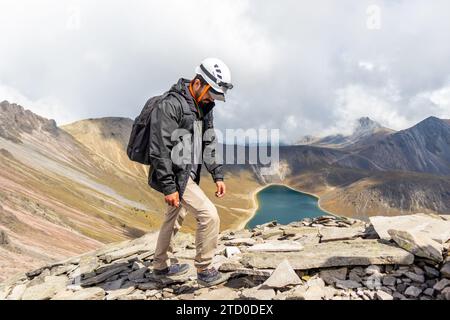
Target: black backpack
[(138, 145)]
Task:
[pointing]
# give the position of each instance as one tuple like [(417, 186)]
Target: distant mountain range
[(65, 190), (424, 147), (366, 131)]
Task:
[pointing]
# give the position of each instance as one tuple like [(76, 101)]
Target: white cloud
[(369, 66), (305, 68), (48, 107), (441, 98)]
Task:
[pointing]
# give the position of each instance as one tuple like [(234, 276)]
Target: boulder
[(413, 292), (282, 276), (429, 292), (381, 295), (347, 284), (432, 272), (45, 290), (116, 294), (17, 292), (373, 269), (432, 226), (446, 293), (315, 293), (298, 293), (418, 244), (332, 254), (443, 283), (94, 293), (445, 270), (389, 280), (146, 286), (330, 276), (415, 277), (258, 293)]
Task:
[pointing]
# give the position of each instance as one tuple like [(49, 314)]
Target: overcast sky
[(301, 67)]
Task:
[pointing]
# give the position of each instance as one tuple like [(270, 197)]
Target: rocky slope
[(324, 258), (76, 184)]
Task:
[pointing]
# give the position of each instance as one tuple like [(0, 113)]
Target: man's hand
[(221, 189), (173, 199)]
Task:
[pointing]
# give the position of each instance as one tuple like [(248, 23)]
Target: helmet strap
[(197, 100), (203, 93)]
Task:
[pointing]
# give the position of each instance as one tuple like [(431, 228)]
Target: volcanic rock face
[(15, 120), (354, 266)]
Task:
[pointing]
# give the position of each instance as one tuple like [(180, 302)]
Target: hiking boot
[(210, 277), (171, 271)]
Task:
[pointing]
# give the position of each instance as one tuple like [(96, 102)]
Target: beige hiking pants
[(208, 222)]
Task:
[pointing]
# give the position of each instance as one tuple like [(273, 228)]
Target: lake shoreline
[(256, 204)]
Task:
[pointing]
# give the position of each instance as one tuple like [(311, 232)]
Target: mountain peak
[(16, 120), (365, 125), (432, 124)]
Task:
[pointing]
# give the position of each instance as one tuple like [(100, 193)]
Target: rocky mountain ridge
[(326, 258)]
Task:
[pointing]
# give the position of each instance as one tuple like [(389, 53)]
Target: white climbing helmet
[(217, 75)]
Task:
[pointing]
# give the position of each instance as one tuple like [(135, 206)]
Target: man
[(189, 110)]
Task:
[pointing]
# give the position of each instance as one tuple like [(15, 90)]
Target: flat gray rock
[(276, 246), (240, 242), (102, 276), (125, 252), (332, 254), (336, 233), (432, 226)]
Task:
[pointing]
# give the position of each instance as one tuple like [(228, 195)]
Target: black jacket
[(177, 111)]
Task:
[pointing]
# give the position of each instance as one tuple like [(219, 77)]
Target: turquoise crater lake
[(285, 205)]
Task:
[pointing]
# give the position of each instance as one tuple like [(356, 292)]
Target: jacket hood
[(181, 87)]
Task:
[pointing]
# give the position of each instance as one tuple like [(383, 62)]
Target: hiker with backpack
[(185, 111)]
